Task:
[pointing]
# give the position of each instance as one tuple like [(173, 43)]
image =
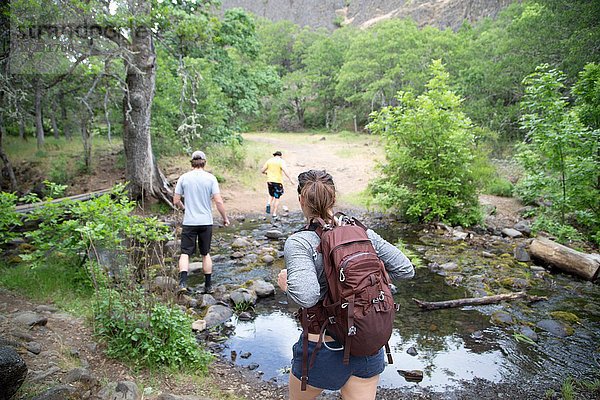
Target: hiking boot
[(208, 290), (268, 208)]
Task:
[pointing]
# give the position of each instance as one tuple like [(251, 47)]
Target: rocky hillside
[(363, 13)]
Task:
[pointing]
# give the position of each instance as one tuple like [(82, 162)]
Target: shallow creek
[(453, 346)]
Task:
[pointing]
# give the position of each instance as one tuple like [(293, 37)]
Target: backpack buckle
[(352, 331), (331, 320)]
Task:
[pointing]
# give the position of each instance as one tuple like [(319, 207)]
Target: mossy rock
[(565, 316), (15, 259), (26, 248)]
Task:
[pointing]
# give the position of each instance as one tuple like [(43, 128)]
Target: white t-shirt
[(198, 188)]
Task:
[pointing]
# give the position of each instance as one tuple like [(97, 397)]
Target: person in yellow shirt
[(275, 168)]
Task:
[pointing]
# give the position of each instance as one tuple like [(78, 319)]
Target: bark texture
[(477, 301), (566, 259), (142, 172)]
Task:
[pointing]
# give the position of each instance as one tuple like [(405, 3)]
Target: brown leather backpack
[(358, 310)]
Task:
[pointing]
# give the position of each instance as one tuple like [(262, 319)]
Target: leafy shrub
[(9, 218), (559, 158), (147, 333), (74, 228), (430, 153)]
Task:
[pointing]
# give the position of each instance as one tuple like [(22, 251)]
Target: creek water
[(452, 346)]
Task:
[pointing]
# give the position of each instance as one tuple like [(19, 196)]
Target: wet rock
[(411, 375), (502, 318), (520, 283), (240, 243), (450, 266), (521, 253), (477, 335), (240, 218), (206, 300), (412, 351), (528, 332), (252, 366), (245, 316), (217, 314), (268, 259), (243, 295), (245, 355), (274, 234), (237, 254), (511, 233), (487, 254), (553, 327), (458, 235), (62, 392), (13, 372), (30, 319), (523, 227), (123, 390), (262, 288), (250, 258)]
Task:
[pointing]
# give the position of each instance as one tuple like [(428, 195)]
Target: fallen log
[(566, 259), (476, 301), (26, 208)]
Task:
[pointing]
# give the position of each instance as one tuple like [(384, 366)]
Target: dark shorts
[(329, 372), (275, 189), (190, 234)]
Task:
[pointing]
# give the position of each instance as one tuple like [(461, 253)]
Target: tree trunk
[(22, 134), (8, 169), (87, 143), (53, 121), (65, 120), (477, 301), (566, 259), (142, 172), (39, 127)]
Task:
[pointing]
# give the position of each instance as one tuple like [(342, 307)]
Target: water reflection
[(269, 339)]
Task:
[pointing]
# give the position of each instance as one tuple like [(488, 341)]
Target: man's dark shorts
[(190, 234), (275, 189)]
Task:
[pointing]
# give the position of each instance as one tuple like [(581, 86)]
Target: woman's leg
[(309, 394), (360, 388)]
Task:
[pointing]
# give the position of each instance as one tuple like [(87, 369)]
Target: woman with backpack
[(320, 359)]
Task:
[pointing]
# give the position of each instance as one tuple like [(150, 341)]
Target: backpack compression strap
[(304, 378)]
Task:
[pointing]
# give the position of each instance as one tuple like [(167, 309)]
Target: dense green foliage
[(9, 218), (560, 156), (429, 151), (100, 250), (147, 332)]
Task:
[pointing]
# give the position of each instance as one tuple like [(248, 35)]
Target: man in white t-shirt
[(198, 188)]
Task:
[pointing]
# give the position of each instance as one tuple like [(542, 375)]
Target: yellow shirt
[(274, 168)]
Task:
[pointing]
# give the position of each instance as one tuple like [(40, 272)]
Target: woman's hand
[(282, 279)]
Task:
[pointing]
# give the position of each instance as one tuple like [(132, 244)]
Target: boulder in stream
[(243, 295), (262, 288), (217, 314)]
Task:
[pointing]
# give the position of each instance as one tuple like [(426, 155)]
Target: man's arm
[(288, 175), (221, 208), (177, 201), (264, 169)]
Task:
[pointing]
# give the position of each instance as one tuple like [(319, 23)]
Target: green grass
[(64, 285)]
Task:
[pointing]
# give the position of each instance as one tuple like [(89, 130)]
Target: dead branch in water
[(477, 301)]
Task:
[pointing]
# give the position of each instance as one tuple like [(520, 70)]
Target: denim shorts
[(328, 371)]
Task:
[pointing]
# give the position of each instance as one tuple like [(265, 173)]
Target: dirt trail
[(351, 163)]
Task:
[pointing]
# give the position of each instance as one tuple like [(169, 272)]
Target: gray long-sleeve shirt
[(306, 280)]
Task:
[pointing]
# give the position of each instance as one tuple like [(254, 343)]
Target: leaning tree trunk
[(142, 172), (8, 168)]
